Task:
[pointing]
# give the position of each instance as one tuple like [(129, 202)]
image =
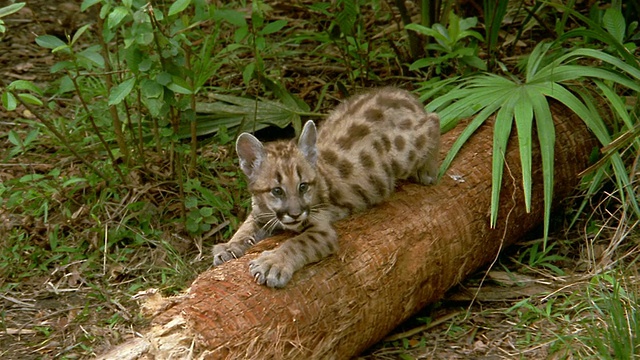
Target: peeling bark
[(393, 260)]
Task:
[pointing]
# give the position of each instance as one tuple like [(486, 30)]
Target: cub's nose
[(292, 217)]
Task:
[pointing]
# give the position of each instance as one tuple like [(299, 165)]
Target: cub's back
[(372, 140)]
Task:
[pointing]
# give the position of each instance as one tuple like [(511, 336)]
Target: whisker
[(270, 225)]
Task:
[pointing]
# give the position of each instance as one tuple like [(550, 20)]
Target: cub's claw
[(226, 252), (271, 270)]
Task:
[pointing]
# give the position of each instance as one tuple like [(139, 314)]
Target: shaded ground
[(58, 315)]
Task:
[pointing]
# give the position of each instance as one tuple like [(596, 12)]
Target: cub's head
[(282, 177)]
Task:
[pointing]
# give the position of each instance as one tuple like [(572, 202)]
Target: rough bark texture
[(393, 260)]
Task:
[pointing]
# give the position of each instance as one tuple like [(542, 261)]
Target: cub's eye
[(303, 187), (277, 191)]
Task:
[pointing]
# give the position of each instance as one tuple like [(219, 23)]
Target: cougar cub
[(350, 164)]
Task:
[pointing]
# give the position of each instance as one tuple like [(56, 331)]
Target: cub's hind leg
[(427, 144)]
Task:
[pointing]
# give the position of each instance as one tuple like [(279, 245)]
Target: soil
[(48, 318)]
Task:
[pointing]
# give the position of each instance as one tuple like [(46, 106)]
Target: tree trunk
[(393, 260)]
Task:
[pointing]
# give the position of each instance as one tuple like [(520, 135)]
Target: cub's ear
[(307, 142), (251, 154)]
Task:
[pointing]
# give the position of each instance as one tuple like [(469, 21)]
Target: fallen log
[(393, 260)]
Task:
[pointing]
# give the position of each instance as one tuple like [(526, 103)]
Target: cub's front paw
[(227, 251), (271, 269)]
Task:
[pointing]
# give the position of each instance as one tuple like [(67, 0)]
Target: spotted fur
[(352, 163)]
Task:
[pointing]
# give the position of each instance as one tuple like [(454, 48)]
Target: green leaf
[(14, 138), (180, 86), (273, 27), (192, 225), (49, 42), (454, 27), (151, 89), (616, 103), (179, 89), (468, 23), (88, 3), (155, 106), (30, 99), (558, 92), (480, 91), (613, 21), (206, 211), (190, 202), (65, 49), (62, 65), (31, 136), (599, 34), (30, 178), (475, 62), (144, 38), (233, 17), (562, 73), (523, 112), (535, 59), (25, 85), (444, 38), (79, 33), (501, 131), (73, 180), (164, 78), (93, 57), (178, 7), (116, 16), (8, 10), (121, 91), (466, 134), (628, 68), (247, 73), (240, 34), (9, 101), (230, 112), (427, 31), (469, 33), (547, 140), (346, 17), (421, 63), (321, 7)]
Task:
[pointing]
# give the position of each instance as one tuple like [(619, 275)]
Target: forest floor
[(528, 305)]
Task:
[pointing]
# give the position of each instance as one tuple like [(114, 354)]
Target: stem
[(174, 126), (178, 161), (415, 44), (154, 25), (140, 140), (117, 124), (192, 123), (127, 111), (425, 13), (95, 127), (156, 134), (61, 137)]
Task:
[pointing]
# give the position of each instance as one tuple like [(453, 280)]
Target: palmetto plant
[(525, 103)]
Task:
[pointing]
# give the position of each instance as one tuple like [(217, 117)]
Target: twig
[(504, 234), (422, 328)]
